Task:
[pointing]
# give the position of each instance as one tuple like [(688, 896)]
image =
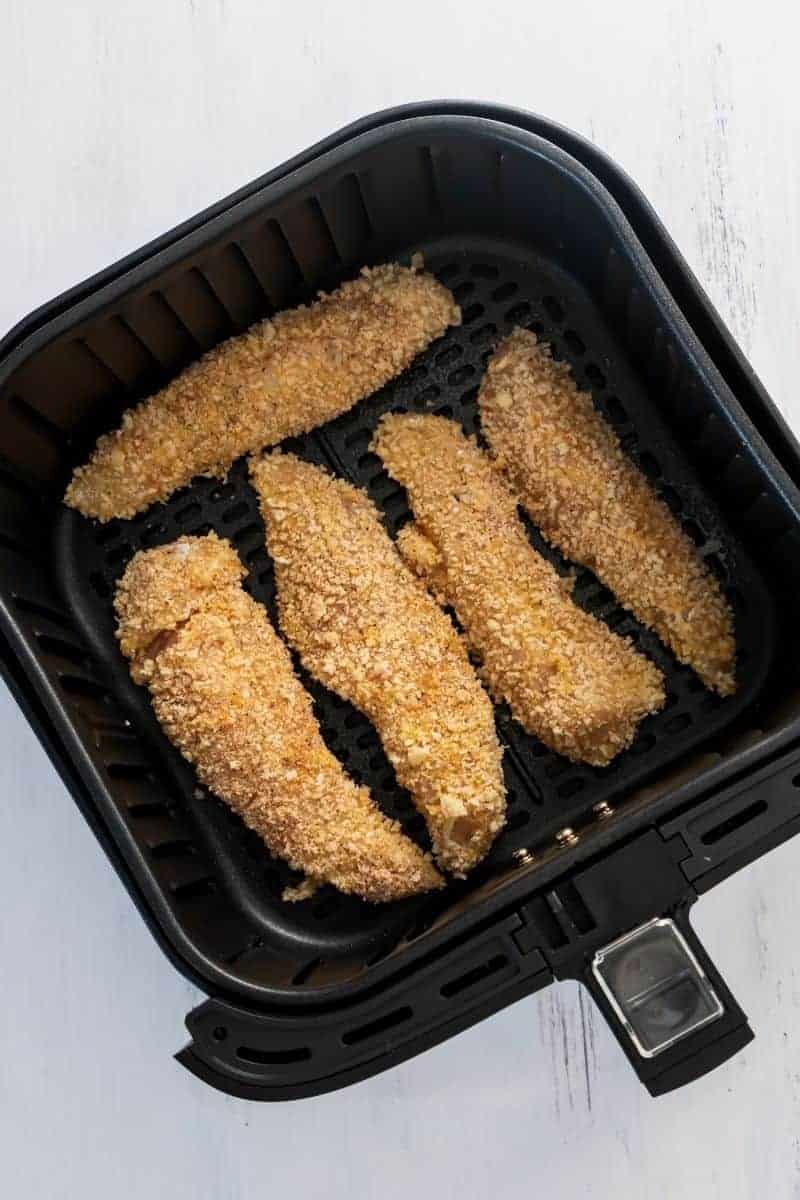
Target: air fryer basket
[(524, 235)]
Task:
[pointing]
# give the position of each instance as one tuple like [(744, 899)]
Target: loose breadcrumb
[(224, 690), (281, 378), (365, 628), (566, 677), (594, 504)]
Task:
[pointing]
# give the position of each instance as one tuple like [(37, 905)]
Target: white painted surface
[(120, 119)]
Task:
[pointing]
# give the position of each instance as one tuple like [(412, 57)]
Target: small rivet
[(523, 856), (603, 810), (566, 836)]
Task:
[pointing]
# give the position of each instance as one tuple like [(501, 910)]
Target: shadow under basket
[(529, 226)]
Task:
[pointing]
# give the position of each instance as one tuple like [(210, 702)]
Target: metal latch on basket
[(656, 986)]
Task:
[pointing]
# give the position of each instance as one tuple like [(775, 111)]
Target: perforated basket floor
[(498, 286)]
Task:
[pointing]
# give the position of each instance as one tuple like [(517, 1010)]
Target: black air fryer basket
[(596, 871)]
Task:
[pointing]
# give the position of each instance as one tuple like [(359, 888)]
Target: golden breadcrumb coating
[(566, 677), (593, 503), (364, 627), (224, 690), (281, 378)]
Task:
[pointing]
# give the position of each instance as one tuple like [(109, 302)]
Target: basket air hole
[(615, 411), (395, 498), (518, 820), (476, 975), (594, 375), (380, 1025), (368, 461), (483, 271), (186, 514), (147, 808), (460, 375), (236, 513), (359, 437), (175, 848), (353, 720), (739, 601), (222, 493), (573, 342), (678, 723), (245, 534), (553, 309), (617, 618), (273, 1058), (649, 465), (694, 532), (448, 356), (427, 396), (365, 740), (409, 378), (107, 533), (301, 976), (219, 1033), (195, 889), (504, 292), (150, 536), (54, 645), (671, 499), (469, 397), (670, 700), (463, 290), (35, 609), (643, 743), (444, 410), (756, 809), (483, 335), (716, 566), (518, 313), (120, 553), (535, 327), (78, 686), (447, 271), (471, 314)]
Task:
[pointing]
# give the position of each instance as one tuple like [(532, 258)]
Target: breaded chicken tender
[(224, 690), (587, 497), (365, 628), (283, 377), (566, 677)]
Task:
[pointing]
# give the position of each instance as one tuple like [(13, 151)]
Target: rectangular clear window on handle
[(656, 986)]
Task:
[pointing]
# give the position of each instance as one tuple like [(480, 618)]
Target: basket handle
[(667, 1004)]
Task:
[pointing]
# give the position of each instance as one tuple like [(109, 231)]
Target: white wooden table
[(120, 119)]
